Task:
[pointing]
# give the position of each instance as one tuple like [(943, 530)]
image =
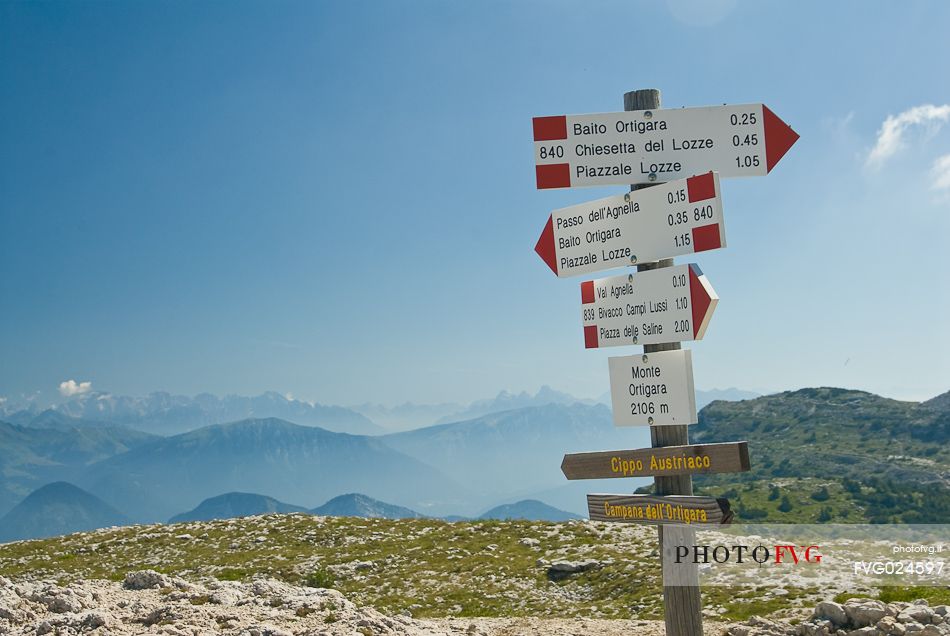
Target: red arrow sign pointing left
[(671, 219), (545, 246)]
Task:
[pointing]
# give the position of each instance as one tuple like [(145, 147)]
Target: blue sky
[(337, 199)]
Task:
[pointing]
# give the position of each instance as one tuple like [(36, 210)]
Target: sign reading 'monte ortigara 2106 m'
[(654, 389), (646, 146)]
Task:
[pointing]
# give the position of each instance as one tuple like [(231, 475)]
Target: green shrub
[(821, 494), (785, 505), (321, 577)]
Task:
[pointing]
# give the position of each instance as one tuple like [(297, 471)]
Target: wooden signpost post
[(683, 153)]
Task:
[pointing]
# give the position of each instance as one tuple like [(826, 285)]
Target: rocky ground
[(857, 617), (429, 568), (153, 603), (301, 574), (147, 602)]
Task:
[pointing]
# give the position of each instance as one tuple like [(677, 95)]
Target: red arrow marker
[(545, 246), (703, 298), (779, 137)]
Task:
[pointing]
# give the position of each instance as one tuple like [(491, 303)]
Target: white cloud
[(940, 173), (70, 388), (839, 127), (890, 138)]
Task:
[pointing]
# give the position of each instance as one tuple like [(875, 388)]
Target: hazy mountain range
[(459, 468), (242, 504), (62, 508), (166, 414), (515, 453), (450, 469), (464, 468), (409, 415), (303, 464), (53, 447)]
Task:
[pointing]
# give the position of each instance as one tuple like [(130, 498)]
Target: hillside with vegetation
[(833, 455)]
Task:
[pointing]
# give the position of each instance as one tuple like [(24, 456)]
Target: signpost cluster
[(673, 160)]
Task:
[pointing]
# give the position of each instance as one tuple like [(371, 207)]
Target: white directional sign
[(671, 219), (643, 146), (653, 389), (670, 304)]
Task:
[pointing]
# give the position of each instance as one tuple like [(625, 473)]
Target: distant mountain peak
[(58, 489), (530, 509), (258, 424), (235, 504), (58, 508), (360, 505)]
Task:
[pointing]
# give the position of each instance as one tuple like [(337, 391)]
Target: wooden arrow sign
[(644, 146), (670, 304), (653, 509), (658, 462), (672, 219)]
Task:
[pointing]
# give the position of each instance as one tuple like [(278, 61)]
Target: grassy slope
[(429, 567)]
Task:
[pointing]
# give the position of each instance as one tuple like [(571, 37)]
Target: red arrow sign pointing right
[(779, 137), (703, 299)]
